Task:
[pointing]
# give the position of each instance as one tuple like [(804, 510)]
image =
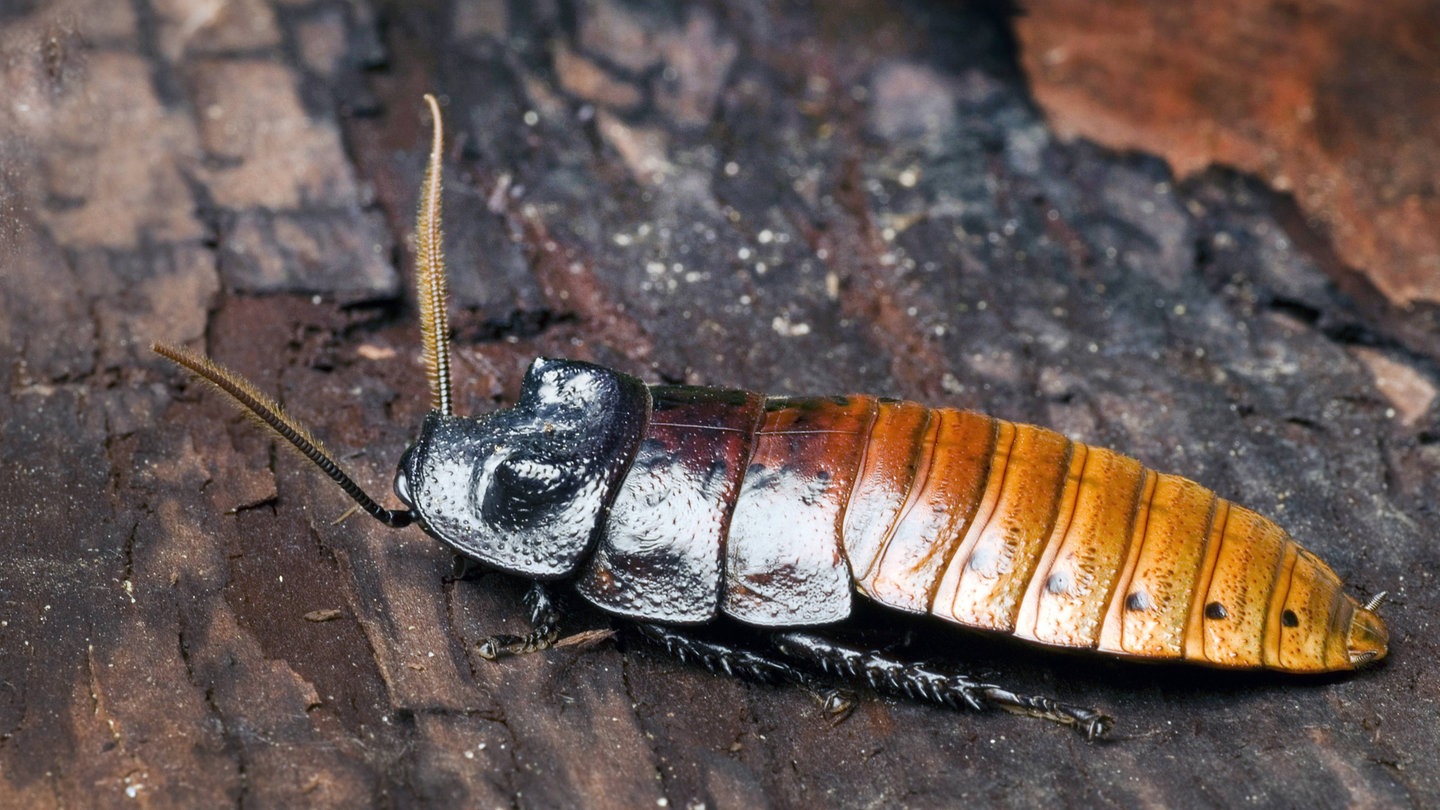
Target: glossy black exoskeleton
[(526, 489)]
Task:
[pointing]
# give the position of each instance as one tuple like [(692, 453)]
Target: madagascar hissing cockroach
[(677, 506)]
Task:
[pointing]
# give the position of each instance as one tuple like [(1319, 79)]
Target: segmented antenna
[(430, 274), (268, 412)]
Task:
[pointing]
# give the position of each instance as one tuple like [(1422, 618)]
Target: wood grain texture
[(798, 200), (1334, 103)]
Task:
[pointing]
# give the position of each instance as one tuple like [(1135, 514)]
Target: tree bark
[(793, 199)]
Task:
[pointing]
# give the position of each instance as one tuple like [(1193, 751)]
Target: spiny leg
[(915, 680), (719, 657), (544, 627), (737, 662), (1089, 722)]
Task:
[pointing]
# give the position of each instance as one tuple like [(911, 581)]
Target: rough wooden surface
[(793, 198), (1337, 103)]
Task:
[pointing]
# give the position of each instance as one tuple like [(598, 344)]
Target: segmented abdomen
[(1016, 529)]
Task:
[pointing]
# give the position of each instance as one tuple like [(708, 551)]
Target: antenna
[(268, 412), (430, 274), (430, 281)]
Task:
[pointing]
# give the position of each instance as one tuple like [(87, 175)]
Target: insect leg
[(741, 663), (544, 627), (461, 566), (718, 657), (917, 681)]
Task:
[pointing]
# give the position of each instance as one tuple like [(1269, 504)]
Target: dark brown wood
[(800, 200), (1336, 103)]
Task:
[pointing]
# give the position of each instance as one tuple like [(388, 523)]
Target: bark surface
[(790, 198)]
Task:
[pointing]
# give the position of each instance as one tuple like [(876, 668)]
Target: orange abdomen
[(1014, 528)]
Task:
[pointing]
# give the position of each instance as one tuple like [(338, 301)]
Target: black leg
[(461, 566), (736, 662), (718, 657), (805, 659), (544, 627), (918, 681)]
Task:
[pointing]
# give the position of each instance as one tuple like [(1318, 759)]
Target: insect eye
[(402, 479), (402, 488)]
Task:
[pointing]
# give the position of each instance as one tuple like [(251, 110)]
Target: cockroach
[(675, 507)]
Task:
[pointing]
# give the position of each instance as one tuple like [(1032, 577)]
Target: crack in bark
[(231, 740), (651, 740), (97, 702)]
